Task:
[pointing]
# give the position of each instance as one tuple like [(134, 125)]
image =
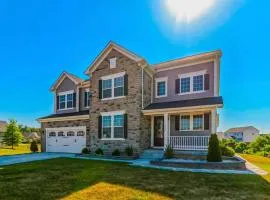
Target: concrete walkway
[(254, 168), (14, 159)]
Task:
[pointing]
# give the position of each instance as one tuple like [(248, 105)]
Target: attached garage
[(66, 139)]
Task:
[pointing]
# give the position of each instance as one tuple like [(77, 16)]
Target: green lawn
[(22, 148), (68, 178), (259, 161)]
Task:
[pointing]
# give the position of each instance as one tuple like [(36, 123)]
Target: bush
[(99, 151), (129, 151), (214, 154), (85, 151), (226, 151), (34, 146), (169, 152), (229, 142), (241, 147), (116, 152)]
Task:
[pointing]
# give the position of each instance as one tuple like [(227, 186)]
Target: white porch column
[(166, 130), (213, 121), (152, 130)]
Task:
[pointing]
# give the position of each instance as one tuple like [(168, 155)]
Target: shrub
[(129, 151), (34, 146), (229, 142), (226, 151), (116, 152), (169, 152), (241, 147), (85, 151), (214, 154), (99, 151)]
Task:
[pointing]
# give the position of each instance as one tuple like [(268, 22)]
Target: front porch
[(187, 130)]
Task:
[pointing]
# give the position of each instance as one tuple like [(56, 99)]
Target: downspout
[(142, 86)]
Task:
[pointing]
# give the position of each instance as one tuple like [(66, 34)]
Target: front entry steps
[(152, 154)]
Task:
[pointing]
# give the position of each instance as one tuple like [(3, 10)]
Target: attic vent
[(113, 63)]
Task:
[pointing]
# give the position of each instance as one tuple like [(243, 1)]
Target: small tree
[(214, 154), (13, 135), (34, 146)]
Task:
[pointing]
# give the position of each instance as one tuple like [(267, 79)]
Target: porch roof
[(209, 101)]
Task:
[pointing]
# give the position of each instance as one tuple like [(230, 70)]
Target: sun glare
[(188, 10)]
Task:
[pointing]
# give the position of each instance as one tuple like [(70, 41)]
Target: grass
[(70, 179), (260, 161), (22, 148)]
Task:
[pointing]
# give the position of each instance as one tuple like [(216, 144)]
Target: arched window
[(80, 133), (70, 133), (60, 134), (52, 134)]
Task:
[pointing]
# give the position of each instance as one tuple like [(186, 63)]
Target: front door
[(159, 131)]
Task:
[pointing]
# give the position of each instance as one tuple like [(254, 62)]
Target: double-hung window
[(113, 125), (86, 98), (193, 82), (198, 83), (113, 86), (66, 100), (191, 122), (161, 87), (184, 122), (197, 122)]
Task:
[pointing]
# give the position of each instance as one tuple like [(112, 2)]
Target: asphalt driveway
[(13, 159)]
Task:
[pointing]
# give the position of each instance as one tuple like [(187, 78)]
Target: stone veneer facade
[(138, 125), (57, 124)]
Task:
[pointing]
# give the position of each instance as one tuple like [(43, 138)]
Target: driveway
[(13, 159)]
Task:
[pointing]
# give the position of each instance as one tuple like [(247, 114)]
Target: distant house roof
[(186, 103), (32, 135), (240, 129), (3, 125)]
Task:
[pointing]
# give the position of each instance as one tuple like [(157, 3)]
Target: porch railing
[(188, 142)]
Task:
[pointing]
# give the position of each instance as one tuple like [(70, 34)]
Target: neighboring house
[(242, 134), (31, 136), (3, 125), (127, 101), (220, 135)]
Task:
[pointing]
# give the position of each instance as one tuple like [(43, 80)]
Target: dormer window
[(66, 100), (112, 63)]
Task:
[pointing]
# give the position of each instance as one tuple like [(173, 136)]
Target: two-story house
[(128, 102)]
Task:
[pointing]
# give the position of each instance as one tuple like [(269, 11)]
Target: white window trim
[(191, 122), (65, 94), (86, 90), (163, 79), (191, 76), (113, 63), (112, 77), (112, 114)]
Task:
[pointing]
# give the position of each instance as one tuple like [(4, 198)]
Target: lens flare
[(188, 10)]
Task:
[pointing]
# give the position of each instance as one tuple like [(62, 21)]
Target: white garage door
[(66, 139)]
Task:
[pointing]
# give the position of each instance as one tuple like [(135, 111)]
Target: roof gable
[(62, 77), (109, 47), (240, 129)]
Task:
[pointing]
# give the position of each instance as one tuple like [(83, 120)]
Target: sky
[(40, 39)]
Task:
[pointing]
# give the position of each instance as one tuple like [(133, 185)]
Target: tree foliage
[(13, 135), (261, 146)]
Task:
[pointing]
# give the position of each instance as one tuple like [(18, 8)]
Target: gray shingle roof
[(186, 103)]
